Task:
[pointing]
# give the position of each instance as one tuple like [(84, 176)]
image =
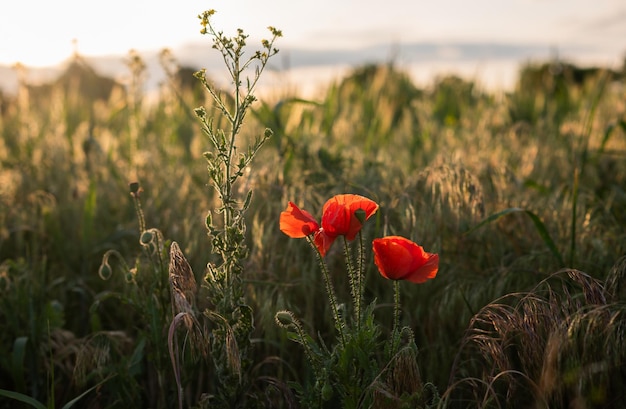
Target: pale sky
[(40, 32)]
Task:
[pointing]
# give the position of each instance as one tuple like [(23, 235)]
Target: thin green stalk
[(51, 382), (135, 192), (396, 317), (360, 274), (572, 246), (228, 160), (332, 297), (579, 170), (354, 283)]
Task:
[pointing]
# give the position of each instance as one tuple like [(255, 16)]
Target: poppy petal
[(426, 271), (339, 214), (367, 208), (323, 241), (335, 218), (297, 223)]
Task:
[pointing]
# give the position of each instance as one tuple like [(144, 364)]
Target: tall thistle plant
[(228, 336), (232, 318)]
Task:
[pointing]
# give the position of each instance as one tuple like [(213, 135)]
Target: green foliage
[(450, 97)]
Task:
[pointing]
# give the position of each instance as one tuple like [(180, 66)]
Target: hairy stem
[(396, 317), (353, 278), (330, 290)]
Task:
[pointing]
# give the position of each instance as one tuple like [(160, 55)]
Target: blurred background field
[(544, 164)]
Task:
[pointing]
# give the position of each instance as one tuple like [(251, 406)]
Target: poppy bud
[(146, 237), (284, 318), (105, 270), (360, 215)]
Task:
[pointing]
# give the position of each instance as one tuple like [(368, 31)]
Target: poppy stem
[(354, 283), (396, 317), (330, 290), (359, 274)]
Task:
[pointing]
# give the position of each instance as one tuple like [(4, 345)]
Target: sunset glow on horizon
[(41, 33)]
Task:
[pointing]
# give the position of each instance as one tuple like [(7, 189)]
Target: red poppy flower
[(340, 217), (398, 258)]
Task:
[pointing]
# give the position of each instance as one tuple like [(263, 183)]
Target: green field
[(522, 195)]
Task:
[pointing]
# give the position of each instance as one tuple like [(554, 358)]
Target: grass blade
[(76, 399), (541, 228), (19, 352), (22, 398)]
